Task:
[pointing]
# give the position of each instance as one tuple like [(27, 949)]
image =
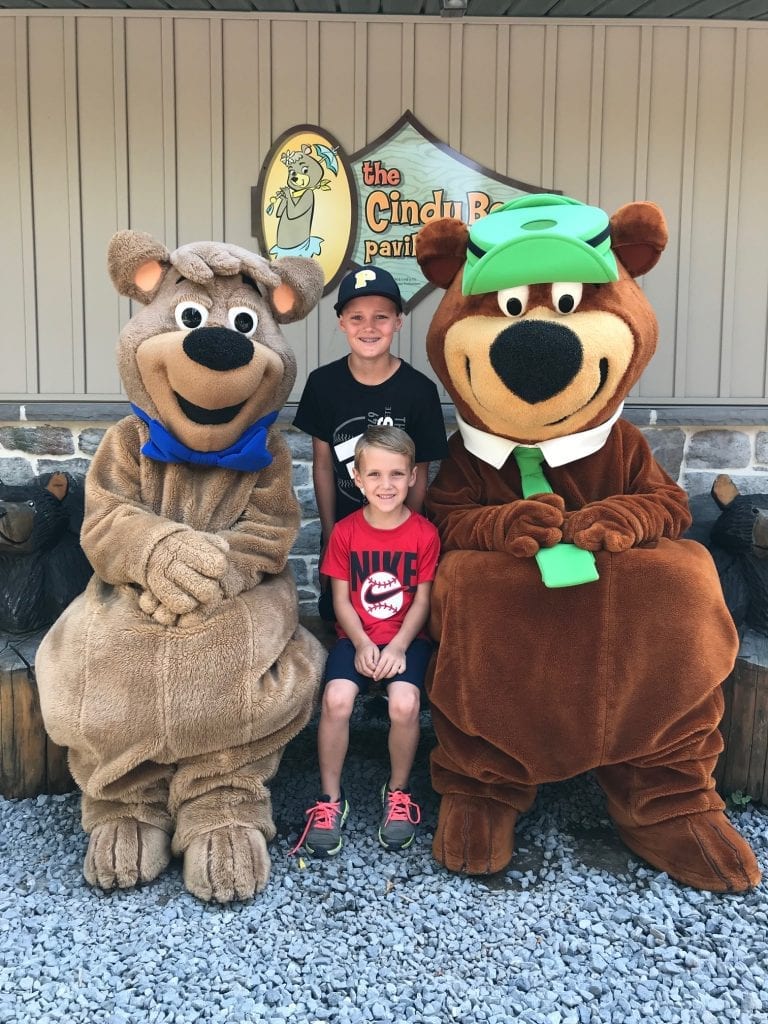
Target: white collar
[(558, 451)]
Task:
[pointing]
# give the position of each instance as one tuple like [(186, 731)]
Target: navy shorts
[(341, 665)]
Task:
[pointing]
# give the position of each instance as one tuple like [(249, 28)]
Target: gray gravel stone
[(375, 937)]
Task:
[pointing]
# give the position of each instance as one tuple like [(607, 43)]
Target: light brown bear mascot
[(576, 630), (178, 677)]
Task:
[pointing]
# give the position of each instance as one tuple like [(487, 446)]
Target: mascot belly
[(576, 630)]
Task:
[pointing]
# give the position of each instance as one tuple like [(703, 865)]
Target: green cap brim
[(539, 239), (537, 260)]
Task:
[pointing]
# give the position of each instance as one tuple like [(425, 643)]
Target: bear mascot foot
[(474, 835), (125, 853), (230, 863), (701, 850)]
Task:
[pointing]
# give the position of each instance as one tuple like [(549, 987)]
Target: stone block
[(667, 446), (15, 471), (307, 503), (761, 448), (300, 571), (42, 440), (719, 449), (308, 540), (302, 474), (701, 482), (300, 445), (90, 438), (80, 466)]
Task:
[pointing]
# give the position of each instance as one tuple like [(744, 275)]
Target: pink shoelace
[(400, 807), (320, 815)]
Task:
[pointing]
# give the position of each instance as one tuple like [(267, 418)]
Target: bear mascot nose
[(536, 359), (218, 348)]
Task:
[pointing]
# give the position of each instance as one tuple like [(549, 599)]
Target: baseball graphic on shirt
[(382, 595)]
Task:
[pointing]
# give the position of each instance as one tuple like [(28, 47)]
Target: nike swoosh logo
[(368, 596)]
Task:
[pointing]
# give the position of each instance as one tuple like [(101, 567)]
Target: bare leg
[(333, 733), (404, 704)]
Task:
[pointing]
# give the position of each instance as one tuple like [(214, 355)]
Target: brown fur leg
[(474, 835), (125, 853), (700, 850)]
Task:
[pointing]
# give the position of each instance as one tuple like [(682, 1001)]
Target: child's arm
[(366, 651), (324, 483), (392, 658), (417, 493)]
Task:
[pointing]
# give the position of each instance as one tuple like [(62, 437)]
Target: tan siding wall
[(161, 121)]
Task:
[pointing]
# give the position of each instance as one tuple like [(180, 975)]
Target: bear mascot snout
[(576, 630)]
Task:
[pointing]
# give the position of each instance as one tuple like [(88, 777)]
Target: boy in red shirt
[(381, 561)]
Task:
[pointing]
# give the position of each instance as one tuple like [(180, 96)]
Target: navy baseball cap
[(368, 281)]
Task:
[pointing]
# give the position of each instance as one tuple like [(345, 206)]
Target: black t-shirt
[(336, 408)]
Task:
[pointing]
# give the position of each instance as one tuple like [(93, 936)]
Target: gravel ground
[(576, 931)]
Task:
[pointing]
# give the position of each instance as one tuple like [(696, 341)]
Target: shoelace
[(320, 815), (400, 807)]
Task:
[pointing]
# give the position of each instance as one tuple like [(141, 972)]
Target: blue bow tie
[(248, 454)]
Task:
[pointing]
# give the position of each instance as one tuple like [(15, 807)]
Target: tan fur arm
[(119, 532), (262, 540)]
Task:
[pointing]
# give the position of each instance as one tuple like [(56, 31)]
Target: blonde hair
[(391, 439)]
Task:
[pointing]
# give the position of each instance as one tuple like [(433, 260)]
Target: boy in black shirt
[(368, 387)]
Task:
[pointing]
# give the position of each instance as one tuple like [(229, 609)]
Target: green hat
[(538, 239)]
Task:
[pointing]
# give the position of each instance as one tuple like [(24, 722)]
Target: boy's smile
[(370, 323), (384, 478)]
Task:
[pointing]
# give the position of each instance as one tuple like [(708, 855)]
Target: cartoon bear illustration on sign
[(576, 630), (179, 676)]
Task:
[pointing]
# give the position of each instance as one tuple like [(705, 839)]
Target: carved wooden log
[(30, 763), (743, 764)]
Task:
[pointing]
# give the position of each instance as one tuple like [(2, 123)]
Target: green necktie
[(564, 565)]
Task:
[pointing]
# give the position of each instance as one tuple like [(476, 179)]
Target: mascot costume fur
[(179, 676), (576, 631)]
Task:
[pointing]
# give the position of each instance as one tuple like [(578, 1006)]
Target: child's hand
[(366, 658), (391, 661)]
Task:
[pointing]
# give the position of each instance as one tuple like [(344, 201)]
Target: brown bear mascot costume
[(178, 677), (576, 630)]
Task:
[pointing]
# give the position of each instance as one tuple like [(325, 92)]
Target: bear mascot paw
[(180, 674), (577, 632)]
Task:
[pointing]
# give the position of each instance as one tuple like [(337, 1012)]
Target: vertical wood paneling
[(666, 145), (161, 122), (16, 281), (478, 94), (145, 102), (432, 75), (572, 110), (709, 210), (197, 166), (59, 293), (749, 367), (242, 131), (104, 195), (527, 67)]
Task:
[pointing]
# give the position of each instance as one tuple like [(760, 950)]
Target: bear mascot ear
[(137, 263), (300, 288), (639, 236), (441, 250)]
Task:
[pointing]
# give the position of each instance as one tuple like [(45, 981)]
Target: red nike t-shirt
[(383, 568)]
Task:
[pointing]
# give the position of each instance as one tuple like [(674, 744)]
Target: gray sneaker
[(401, 816), (322, 833)]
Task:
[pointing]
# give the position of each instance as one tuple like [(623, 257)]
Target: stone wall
[(693, 454)]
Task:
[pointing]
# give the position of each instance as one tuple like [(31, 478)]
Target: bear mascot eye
[(513, 301), (243, 320), (190, 315), (566, 296)]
